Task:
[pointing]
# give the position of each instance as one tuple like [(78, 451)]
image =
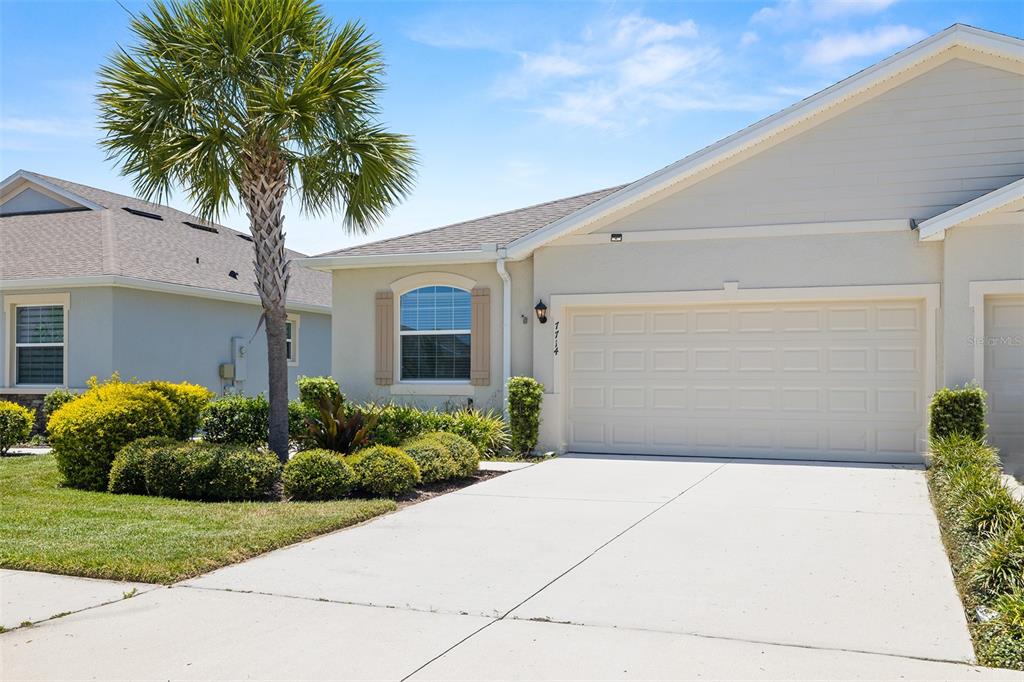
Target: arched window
[(434, 333)]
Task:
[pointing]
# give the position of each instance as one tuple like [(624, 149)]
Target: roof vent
[(233, 275), (204, 228), (144, 214), (245, 237)]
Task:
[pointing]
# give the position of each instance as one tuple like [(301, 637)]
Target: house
[(797, 290), (93, 282)]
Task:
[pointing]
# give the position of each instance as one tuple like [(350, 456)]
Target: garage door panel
[(1004, 378), (753, 380)]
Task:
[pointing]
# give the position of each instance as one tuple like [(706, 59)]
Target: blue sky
[(509, 104)]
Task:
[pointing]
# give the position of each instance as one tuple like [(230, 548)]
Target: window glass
[(434, 329), (39, 344)]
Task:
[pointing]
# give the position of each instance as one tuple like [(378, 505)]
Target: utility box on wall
[(239, 358)]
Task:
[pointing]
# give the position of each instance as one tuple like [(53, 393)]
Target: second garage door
[(838, 381)]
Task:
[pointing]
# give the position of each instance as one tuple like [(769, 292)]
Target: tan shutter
[(384, 372), (480, 339)]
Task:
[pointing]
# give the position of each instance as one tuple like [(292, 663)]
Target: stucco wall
[(88, 333), (984, 251), (149, 335), (353, 331), (163, 336)]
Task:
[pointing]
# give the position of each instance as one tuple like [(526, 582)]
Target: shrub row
[(984, 531), (193, 470), (87, 431), (397, 424), (379, 470)]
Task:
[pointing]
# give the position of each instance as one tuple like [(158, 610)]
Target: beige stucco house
[(797, 290)]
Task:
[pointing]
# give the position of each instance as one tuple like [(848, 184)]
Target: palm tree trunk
[(263, 188)]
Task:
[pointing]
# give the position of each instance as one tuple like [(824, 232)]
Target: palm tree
[(248, 101)]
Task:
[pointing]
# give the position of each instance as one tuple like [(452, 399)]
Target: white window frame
[(293, 344), (11, 305), (450, 387)]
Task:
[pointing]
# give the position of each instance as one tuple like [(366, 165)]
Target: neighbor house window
[(39, 345), (291, 339), (434, 334)]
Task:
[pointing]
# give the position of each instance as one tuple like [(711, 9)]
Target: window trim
[(450, 387), (293, 319), (11, 304)]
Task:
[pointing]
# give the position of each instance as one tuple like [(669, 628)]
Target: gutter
[(506, 328), (485, 254)]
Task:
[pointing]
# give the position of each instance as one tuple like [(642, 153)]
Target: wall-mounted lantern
[(542, 311)]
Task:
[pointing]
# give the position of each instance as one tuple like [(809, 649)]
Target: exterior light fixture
[(616, 237), (542, 311)]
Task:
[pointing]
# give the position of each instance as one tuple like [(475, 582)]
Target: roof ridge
[(473, 220)]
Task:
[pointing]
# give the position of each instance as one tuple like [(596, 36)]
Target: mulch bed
[(430, 490)]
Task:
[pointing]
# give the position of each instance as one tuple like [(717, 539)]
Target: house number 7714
[(556, 337)]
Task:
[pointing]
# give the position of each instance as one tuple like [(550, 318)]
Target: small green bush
[(237, 419), (15, 424), (55, 399), (524, 399), (463, 453), (433, 458), (384, 471), (957, 410), (312, 389), (999, 567), (396, 424), (188, 401), (317, 475), (87, 432), (213, 472), (128, 472)]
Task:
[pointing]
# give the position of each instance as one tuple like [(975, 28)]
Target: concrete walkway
[(576, 568)]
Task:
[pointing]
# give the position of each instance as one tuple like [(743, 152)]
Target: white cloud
[(624, 71), (795, 13), (835, 48), (749, 38)]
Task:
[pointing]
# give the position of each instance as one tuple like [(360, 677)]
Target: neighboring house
[(796, 290), (93, 282)]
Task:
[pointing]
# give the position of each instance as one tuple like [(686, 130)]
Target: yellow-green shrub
[(87, 432), (15, 424), (188, 401), (384, 471)]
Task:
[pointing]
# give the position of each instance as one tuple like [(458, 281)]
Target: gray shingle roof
[(499, 228), (115, 242)]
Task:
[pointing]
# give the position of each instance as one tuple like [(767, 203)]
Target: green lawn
[(44, 527)]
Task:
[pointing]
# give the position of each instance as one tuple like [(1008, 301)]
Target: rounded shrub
[(87, 432), (463, 453), (317, 475), (385, 471), (188, 401), (128, 472), (524, 399), (237, 419), (15, 424), (433, 458), (313, 389), (242, 473)]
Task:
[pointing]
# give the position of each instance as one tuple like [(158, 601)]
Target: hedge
[(397, 424), (191, 470), (237, 419), (957, 410)]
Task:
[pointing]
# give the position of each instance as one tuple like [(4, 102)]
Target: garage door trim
[(732, 293), (978, 291)]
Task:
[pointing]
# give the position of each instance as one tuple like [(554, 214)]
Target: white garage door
[(805, 380), (1004, 378)]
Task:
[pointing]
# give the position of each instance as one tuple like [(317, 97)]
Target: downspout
[(506, 329)]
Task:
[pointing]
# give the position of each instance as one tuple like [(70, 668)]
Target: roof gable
[(934, 229), (25, 193)]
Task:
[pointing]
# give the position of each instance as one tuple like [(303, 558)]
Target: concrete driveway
[(577, 568)]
